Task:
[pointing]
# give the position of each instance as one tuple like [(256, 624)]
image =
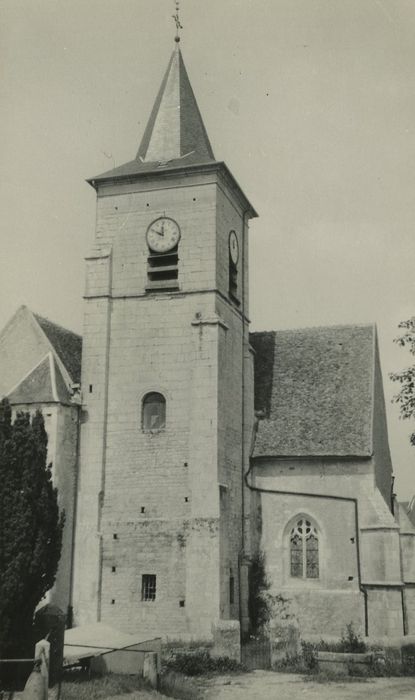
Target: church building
[(187, 448)]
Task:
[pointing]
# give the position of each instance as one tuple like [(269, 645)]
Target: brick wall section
[(188, 346)]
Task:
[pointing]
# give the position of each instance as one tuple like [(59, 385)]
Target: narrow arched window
[(154, 411), (304, 550)]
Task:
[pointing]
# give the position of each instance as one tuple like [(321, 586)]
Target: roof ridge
[(340, 326)]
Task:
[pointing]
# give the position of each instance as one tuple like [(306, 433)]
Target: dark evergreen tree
[(30, 526)]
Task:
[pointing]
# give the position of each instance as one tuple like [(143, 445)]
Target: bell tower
[(166, 383)]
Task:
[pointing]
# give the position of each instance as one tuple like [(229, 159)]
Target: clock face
[(163, 234), (233, 247)]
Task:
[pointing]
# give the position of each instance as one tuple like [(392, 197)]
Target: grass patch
[(200, 663), (176, 685), (78, 685)]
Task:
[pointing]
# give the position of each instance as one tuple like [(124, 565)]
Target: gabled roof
[(44, 384), (67, 344), (175, 133), (25, 343), (315, 389)]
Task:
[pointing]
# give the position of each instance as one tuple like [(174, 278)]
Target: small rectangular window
[(148, 587), (231, 590)]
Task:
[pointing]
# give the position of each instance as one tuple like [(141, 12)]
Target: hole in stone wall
[(113, 601), (115, 536), (181, 603), (90, 388), (185, 464), (350, 578), (194, 199), (147, 205), (352, 540), (113, 569), (143, 510), (186, 498)]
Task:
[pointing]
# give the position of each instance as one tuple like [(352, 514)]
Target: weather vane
[(177, 21)]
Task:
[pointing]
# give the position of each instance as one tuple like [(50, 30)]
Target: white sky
[(311, 103)]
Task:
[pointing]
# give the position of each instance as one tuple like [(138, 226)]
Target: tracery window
[(154, 411), (304, 559)]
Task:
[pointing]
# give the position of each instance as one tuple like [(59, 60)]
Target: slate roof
[(175, 133), (44, 384), (67, 344), (315, 389)]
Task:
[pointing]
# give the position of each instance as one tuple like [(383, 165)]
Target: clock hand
[(159, 233)]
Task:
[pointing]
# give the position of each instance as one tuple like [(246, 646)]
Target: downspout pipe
[(344, 499)]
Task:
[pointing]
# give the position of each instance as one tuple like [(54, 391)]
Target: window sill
[(154, 431), (162, 286), (295, 582)]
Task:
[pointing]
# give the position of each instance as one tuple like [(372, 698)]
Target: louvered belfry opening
[(162, 270)]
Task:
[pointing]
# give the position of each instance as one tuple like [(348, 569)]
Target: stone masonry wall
[(91, 462), (150, 501), (65, 479), (337, 587)]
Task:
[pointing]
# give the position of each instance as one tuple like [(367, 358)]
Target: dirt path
[(265, 685)]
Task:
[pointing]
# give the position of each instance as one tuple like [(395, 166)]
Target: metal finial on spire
[(177, 21)]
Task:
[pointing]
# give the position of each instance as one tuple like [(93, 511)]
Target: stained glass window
[(304, 550)]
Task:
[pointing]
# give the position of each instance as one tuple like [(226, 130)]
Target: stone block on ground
[(285, 641), (226, 639)]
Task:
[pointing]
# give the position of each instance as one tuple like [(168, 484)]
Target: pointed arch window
[(154, 411), (304, 551)]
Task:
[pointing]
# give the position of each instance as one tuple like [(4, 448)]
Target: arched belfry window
[(154, 411), (304, 559)]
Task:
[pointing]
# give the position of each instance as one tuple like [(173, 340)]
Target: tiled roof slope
[(67, 344), (175, 133), (44, 384), (315, 388)]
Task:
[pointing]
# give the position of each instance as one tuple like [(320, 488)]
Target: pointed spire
[(175, 128)]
